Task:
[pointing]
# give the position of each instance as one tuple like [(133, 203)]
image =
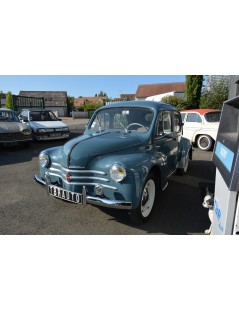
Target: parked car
[(12, 131), (44, 124), (201, 127), (126, 155)]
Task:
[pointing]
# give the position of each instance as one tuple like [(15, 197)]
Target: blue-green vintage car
[(123, 159)]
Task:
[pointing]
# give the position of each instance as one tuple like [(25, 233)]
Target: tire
[(149, 197), (204, 142), (183, 171)]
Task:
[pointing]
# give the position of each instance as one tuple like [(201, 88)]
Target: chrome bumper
[(96, 201)]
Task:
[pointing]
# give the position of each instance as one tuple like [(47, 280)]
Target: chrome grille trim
[(80, 177), (89, 178), (82, 183), (74, 169)]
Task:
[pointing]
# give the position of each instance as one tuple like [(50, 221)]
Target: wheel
[(182, 171), (204, 142), (149, 197)]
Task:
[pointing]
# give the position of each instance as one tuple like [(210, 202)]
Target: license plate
[(55, 134), (64, 194)]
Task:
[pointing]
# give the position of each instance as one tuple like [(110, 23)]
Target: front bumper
[(48, 136), (95, 200)]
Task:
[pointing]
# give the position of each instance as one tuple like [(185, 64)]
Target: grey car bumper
[(94, 200)]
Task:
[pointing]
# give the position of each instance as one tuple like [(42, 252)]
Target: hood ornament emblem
[(68, 177)]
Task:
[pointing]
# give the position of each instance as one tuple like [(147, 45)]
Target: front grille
[(80, 177), (13, 136)]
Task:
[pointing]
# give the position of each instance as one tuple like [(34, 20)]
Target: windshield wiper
[(122, 125)]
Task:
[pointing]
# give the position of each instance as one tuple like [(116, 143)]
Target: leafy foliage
[(215, 94), (70, 102), (193, 90), (178, 102), (101, 94), (91, 106), (2, 95), (9, 104)]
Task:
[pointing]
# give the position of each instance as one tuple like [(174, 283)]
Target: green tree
[(193, 90), (9, 104), (70, 102), (178, 102), (215, 94), (2, 95), (91, 106), (101, 94)]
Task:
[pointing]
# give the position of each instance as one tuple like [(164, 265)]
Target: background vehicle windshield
[(41, 116), (127, 119), (213, 117), (8, 116)]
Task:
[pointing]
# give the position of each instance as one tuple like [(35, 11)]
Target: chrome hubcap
[(148, 197)]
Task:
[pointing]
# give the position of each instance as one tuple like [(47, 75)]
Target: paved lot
[(25, 207)]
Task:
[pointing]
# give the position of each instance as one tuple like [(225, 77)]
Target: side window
[(167, 122), (177, 122), (164, 123), (160, 124), (194, 118)]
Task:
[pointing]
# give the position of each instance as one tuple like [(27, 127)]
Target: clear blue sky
[(83, 85)]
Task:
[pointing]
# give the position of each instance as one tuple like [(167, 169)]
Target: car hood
[(7, 127), (48, 124), (78, 152)]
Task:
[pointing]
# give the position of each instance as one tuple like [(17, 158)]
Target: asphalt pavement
[(26, 209)]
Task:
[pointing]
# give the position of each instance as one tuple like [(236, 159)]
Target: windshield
[(41, 116), (127, 119), (8, 116), (213, 117)]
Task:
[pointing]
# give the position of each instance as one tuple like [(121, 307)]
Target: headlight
[(44, 159), (26, 132), (45, 130), (118, 172), (41, 130)]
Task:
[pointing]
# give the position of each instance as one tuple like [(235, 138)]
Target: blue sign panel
[(225, 155)]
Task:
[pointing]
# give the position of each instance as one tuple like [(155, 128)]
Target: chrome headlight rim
[(44, 159), (118, 172)]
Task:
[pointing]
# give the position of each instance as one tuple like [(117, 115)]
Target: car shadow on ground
[(180, 210), (18, 154)]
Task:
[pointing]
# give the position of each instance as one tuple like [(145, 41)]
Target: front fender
[(138, 165)]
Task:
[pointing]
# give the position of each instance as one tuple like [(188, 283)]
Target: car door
[(166, 142), (192, 124)]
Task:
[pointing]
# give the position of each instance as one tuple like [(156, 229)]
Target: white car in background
[(201, 126), (44, 124)]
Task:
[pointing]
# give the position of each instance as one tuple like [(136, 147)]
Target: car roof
[(5, 109), (200, 111), (141, 104), (36, 110)]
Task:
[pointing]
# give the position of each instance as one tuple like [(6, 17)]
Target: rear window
[(213, 117)]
